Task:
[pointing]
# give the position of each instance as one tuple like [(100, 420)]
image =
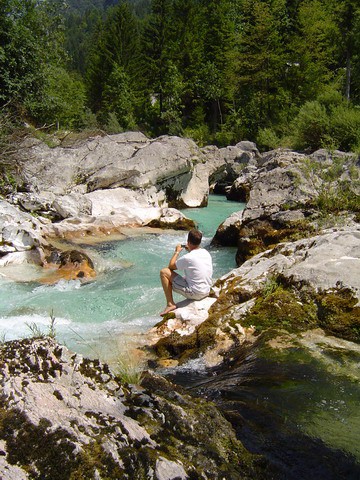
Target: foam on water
[(62, 286), (124, 299), (19, 326)]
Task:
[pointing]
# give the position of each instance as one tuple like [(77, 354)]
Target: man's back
[(198, 269)]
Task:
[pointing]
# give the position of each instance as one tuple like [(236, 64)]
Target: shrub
[(345, 126), (199, 134), (337, 198), (267, 139), (311, 126), (329, 122)]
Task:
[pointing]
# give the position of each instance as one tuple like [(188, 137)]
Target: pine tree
[(156, 50), (261, 62), (218, 38), (346, 15), (24, 41), (116, 46), (317, 47), (33, 78)]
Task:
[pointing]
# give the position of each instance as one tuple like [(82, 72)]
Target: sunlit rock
[(59, 410), (70, 265)]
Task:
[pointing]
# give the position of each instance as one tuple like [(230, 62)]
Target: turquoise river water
[(123, 301), (299, 408)]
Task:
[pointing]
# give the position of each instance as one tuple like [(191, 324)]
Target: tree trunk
[(348, 76)]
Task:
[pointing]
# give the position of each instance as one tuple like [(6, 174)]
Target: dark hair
[(194, 237)]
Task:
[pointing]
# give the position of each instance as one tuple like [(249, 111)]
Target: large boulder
[(63, 416), (281, 194), (113, 161), (296, 286), (281, 181), (60, 169), (105, 182), (173, 165)]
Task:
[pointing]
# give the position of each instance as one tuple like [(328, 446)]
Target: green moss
[(235, 293), (93, 459), (181, 224), (212, 448), (281, 308), (42, 452), (263, 234), (175, 344), (338, 313)]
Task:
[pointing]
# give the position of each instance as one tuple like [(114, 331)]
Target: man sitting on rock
[(198, 269)]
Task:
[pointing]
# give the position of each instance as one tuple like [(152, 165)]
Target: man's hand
[(178, 248), (172, 263)]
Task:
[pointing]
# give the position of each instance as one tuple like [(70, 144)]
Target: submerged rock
[(69, 265), (63, 416)]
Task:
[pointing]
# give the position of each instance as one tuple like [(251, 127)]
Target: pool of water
[(123, 301), (299, 410)]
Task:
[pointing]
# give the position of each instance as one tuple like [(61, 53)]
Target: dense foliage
[(280, 72)]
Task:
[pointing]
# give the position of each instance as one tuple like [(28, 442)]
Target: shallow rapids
[(121, 304)]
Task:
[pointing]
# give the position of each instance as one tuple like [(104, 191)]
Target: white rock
[(168, 470)]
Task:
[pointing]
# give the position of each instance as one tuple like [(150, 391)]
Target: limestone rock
[(281, 192), (226, 164), (167, 470), (184, 320), (33, 201), (241, 187), (122, 179), (319, 278), (63, 416), (227, 233), (324, 261), (280, 181), (72, 205), (195, 194), (114, 161), (172, 218), (19, 232)]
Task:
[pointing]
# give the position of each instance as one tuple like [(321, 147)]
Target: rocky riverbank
[(63, 416), (298, 277), (294, 287), (298, 253), (100, 185)]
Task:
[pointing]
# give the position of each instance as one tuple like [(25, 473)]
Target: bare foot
[(168, 309)]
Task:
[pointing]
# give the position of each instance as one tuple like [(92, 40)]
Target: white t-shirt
[(198, 269)]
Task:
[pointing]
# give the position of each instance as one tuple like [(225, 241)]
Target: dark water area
[(290, 410)]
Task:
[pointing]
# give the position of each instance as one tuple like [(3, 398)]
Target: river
[(125, 299), (298, 407)]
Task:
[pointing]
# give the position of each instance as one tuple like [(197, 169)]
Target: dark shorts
[(180, 286)]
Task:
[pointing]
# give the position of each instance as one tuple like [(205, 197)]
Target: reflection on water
[(289, 406)]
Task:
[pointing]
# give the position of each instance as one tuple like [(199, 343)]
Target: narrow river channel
[(123, 301), (299, 407)]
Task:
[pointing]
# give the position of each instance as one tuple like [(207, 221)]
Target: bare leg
[(166, 276)]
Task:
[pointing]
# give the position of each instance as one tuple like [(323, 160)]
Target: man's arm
[(172, 263)]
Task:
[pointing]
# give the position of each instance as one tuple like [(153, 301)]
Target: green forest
[(277, 72)]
